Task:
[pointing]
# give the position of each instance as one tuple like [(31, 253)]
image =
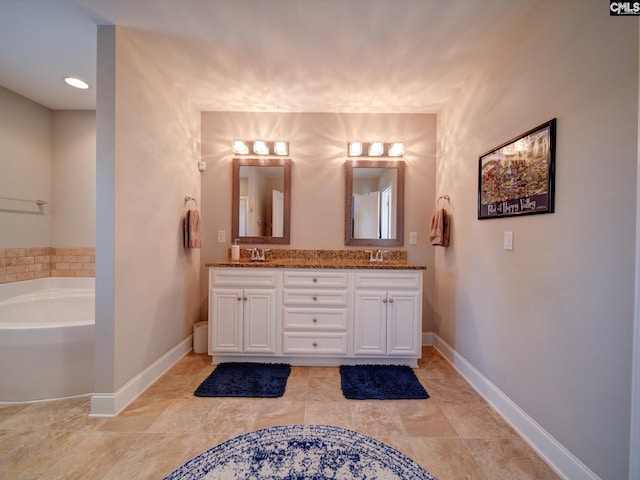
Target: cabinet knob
[(315, 280), (315, 344), (315, 320), (391, 300), (315, 299), (245, 299), (384, 300), (239, 299)]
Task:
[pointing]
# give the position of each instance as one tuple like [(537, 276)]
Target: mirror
[(374, 203), (261, 200)]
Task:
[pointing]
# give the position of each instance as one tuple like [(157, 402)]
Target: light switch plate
[(508, 240), (222, 236), (413, 238)]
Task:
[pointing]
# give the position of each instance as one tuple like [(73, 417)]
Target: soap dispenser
[(235, 250)]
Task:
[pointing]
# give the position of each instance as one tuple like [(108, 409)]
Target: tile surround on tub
[(18, 264)]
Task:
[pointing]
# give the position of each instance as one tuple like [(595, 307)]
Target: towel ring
[(444, 198)]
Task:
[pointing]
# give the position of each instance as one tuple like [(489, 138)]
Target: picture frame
[(518, 177)]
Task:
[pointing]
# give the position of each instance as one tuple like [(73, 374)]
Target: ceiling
[(360, 56)]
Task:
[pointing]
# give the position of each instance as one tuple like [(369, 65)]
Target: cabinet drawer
[(402, 280), (325, 298), (244, 277), (302, 343), (310, 319), (316, 279)]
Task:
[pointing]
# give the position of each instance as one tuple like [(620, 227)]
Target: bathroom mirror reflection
[(374, 203), (261, 200)]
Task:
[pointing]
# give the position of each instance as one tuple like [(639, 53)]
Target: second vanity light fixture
[(376, 149), (260, 147)]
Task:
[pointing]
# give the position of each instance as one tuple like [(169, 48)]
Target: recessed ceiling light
[(76, 82)]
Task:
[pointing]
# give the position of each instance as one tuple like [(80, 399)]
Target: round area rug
[(298, 452)]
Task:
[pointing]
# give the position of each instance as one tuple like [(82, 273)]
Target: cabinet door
[(370, 325), (403, 323), (259, 320), (225, 320)]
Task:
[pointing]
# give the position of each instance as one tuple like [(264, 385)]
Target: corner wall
[(550, 323), (147, 285)]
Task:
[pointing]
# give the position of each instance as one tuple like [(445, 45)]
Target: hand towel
[(192, 236), (439, 228)]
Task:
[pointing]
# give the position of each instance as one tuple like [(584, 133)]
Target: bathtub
[(46, 338)]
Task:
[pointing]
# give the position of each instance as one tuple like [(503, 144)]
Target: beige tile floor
[(453, 435)]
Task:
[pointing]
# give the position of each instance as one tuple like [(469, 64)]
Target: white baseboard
[(565, 464), (427, 338), (107, 405)]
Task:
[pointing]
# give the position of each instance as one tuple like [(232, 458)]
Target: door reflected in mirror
[(261, 200), (374, 203)]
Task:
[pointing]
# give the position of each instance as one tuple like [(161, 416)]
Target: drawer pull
[(315, 344), (315, 320)]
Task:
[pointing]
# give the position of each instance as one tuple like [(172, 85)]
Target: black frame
[(525, 183)]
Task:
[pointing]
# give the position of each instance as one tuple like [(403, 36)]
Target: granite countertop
[(343, 259)]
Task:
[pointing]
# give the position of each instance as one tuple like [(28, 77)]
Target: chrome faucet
[(377, 255), (258, 253)]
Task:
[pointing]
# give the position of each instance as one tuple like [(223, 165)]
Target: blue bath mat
[(245, 380), (380, 382)]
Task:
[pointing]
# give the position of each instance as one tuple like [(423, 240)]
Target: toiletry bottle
[(235, 250)]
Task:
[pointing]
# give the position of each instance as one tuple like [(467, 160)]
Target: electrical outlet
[(222, 236), (413, 238)]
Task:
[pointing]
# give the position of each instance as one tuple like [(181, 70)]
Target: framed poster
[(517, 178)]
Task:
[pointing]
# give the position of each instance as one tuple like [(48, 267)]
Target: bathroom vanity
[(315, 311)]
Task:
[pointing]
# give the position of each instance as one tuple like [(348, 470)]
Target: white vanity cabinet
[(387, 313), (315, 314), (243, 311)]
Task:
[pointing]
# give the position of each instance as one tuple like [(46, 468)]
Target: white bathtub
[(46, 338)]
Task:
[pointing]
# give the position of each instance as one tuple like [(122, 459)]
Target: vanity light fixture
[(260, 147), (376, 149), (396, 149), (240, 147), (355, 149), (280, 148), (76, 82)]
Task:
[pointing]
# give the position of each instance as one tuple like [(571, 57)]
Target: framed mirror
[(261, 200), (374, 203)]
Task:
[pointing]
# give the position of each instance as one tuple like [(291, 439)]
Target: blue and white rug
[(296, 452)]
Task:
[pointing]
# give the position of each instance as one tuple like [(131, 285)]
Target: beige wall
[(25, 171), (550, 323), (318, 150), (47, 155), (74, 179), (147, 285)]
